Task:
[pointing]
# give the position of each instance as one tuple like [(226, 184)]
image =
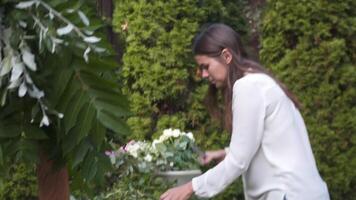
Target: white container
[(181, 176)]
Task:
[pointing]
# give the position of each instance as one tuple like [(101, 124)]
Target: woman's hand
[(209, 156), (182, 192)]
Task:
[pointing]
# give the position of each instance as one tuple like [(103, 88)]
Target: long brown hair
[(210, 42)]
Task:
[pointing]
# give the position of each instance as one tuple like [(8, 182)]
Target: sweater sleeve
[(248, 108)]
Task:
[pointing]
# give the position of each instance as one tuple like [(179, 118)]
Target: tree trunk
[(53, 184), (255, 7), (105, 8)]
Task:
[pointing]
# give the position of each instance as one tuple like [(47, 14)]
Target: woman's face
[(212, 69)]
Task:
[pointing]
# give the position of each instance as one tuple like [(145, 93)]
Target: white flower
[(167, 133), (133, 149), (44, 121), (176, 133), (148, 158), (190, 136), (155, 142)]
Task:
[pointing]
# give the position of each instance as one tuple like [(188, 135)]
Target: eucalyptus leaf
[(3, 97), (14, 84), (65, 30), (84, 18), (29, 59), (28, 79), (92, 39), (35, 92), (22, 89), (16, 71), (85, 55), (25, 4), (5, 67)]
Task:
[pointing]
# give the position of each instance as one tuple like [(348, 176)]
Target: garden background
[(309, 45)]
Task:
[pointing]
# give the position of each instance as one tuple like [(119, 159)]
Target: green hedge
[(158, 67), (311, 46), (20, 185)]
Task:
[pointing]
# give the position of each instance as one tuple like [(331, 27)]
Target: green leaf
[(35, 133), (10, 147), (70, 140), (116, 110), (97, 134), (96, 64), (73, 109), (80, 152), (95, 81), (3, 97), (111, 96), (1, 156), (71, 90), (114, 123), (9, 130), (85, 118), (29, 150), (88, 164), (104, 165), (63, 78)]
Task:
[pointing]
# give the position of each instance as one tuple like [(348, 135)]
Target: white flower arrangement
[(171, 151)]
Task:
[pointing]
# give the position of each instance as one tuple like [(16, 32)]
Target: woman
[(269, 145)]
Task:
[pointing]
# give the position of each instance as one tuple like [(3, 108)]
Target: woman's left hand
[(183, 192)]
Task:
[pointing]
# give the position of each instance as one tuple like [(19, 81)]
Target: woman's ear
[(226, 55)]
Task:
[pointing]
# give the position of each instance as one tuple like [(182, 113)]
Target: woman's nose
[(204, 73)]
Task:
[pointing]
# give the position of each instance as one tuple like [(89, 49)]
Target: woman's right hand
[(209, 156)]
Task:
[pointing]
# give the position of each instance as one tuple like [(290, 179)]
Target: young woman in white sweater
[(269, 144)]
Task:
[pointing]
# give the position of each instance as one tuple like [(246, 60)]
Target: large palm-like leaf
[(80, 85)]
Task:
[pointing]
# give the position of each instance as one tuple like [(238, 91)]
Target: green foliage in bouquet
[(136, 186), (311, 46)]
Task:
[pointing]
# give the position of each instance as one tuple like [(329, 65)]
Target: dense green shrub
[(20, 185), (311, 46), (158, 68)]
